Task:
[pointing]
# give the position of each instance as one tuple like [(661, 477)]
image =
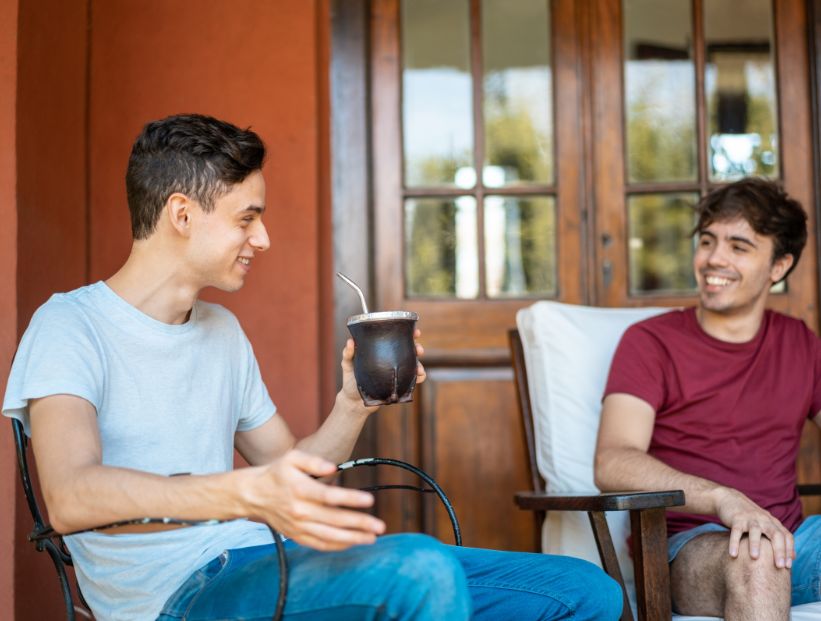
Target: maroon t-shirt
[(728, 412)]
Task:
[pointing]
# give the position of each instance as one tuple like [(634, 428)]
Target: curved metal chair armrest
[(611, 501)]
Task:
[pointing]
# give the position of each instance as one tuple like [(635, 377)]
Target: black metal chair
[(47, 539)]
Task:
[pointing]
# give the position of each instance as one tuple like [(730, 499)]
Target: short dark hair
[(194, 154), (766, 207)]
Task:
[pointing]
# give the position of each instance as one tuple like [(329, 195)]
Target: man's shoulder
[(787, 326), (67, 305), (673, 321)]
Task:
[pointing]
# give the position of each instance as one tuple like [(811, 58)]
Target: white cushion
[(567, 352)]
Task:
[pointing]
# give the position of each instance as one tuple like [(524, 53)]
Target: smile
[(717, 281), (244, 260)]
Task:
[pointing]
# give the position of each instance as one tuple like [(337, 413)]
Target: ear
[(780, 267), (179, 210)]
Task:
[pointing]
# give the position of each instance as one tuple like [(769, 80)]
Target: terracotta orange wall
[(8, 280), (253, 63), (51, 212), (88, 76)]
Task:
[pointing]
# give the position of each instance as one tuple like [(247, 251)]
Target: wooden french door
[(460, 232)]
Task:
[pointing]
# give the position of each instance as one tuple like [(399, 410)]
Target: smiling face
[(224, 241), (734, 268)]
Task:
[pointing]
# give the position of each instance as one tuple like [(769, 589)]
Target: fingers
[(420, 373), (780, 539), (735, 538), (347, 351), (754, 541), (313, 513)]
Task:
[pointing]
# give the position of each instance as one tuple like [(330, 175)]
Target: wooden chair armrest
[(648, 529), (809, 489), (612, 501)]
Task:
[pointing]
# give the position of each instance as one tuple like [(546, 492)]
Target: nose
[(717, 255), (259, 240)]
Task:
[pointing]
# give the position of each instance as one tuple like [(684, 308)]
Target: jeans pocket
[(180, 602)]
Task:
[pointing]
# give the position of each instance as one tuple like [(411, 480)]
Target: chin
[(229, 287)]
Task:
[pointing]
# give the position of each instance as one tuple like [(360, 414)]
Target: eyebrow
[(254, 209), (732, 238)]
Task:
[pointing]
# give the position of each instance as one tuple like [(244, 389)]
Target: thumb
[(310, 464)]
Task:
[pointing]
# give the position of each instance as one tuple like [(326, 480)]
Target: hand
[(286, 495), (741, 515), (349, 389)]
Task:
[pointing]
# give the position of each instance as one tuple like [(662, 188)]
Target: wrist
[(352, 405), (244, 499), (719, 496)]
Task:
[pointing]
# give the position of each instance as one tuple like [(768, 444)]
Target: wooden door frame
[(814, 53), (351, 183), (352, 175)]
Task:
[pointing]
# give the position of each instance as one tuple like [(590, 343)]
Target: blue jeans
[(399, 577), (806, 568)]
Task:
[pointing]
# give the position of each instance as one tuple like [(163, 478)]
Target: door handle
[(607, 272)]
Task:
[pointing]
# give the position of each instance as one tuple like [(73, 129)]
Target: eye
[(740, 249)]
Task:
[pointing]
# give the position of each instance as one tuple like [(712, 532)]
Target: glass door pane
[(659, 91), (437, 102), (740, 89), (517, 92)]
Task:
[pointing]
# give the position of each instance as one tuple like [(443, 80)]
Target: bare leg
[(705, 580)]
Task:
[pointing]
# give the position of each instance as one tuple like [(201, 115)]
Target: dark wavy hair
[(193, 154), (767, 208)]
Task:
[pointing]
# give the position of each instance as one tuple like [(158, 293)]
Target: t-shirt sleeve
[(637, 367), (58, 354), (256, 406)]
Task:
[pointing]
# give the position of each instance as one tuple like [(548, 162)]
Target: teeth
[(244, 261), (715, 280)]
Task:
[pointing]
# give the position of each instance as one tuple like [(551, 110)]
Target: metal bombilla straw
[(357, 289)]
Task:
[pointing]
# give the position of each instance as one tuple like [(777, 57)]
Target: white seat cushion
[(567, 352)]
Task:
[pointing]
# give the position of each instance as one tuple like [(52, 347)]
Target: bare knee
[(745, 574)]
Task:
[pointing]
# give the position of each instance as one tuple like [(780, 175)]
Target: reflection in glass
[(660, 242), (518, 95), (437, 120), (520, 246), (740, 89), (441, 254), (659, 91)]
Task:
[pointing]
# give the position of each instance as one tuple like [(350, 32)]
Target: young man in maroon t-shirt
[(712, 400)]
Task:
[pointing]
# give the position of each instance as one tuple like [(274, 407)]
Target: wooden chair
[(592, 334), (46, 539), (647, 521)]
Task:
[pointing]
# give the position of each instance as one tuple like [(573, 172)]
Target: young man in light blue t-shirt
[(127, 381)]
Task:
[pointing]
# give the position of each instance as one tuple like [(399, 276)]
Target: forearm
[(335, 439), (622, 469), (96, 495)]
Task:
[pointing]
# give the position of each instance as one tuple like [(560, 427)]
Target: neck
[(151, 281), (731, 328)]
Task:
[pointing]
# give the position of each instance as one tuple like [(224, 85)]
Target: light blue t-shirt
[(169, 399)]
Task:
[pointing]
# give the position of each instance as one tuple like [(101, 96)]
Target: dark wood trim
[(572, 202), (607, 85), (351, 211), (511, 190), (699, 61), (478, 82), (814, 53), (795, 139)]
